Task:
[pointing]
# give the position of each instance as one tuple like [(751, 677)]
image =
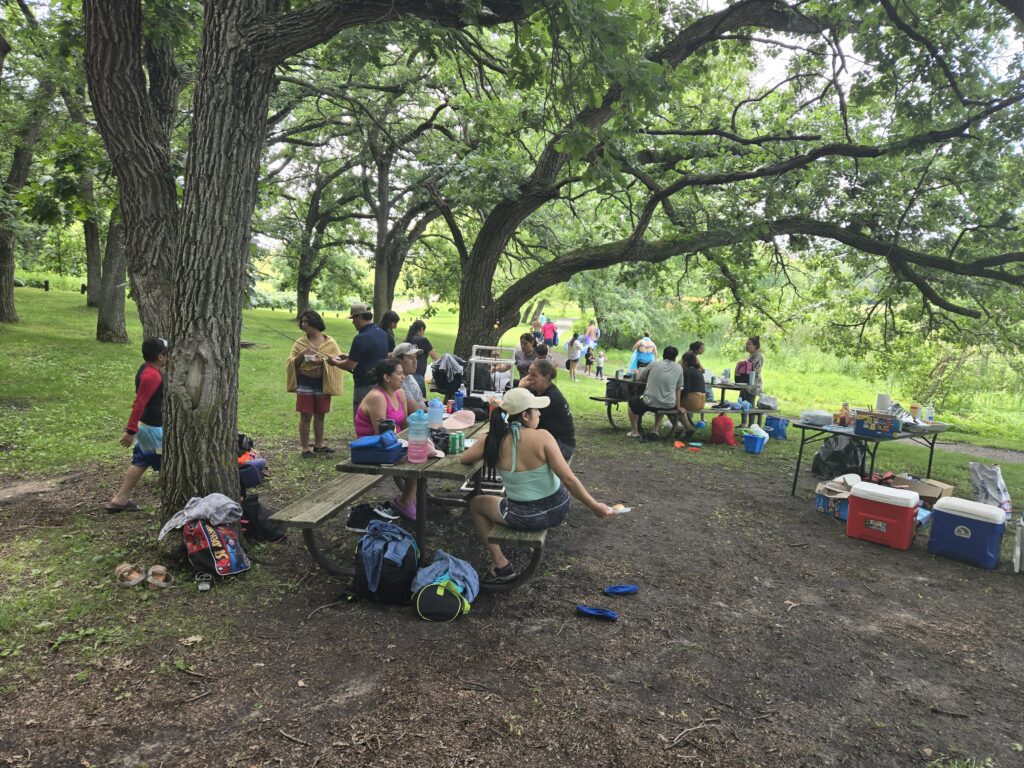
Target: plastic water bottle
[(435, 413), (929, 413), (419, 439), (460, 397)]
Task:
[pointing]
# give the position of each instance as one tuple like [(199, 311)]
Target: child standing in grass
[(146, 423), (600, 364), (588, 361)]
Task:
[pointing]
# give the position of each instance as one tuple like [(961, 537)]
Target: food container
[(882, 515), (874, 424)]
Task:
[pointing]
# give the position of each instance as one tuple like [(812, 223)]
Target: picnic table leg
[(799, 457), (321, 559), (931, 454), (610, 419), (421, 518), (873, 452)]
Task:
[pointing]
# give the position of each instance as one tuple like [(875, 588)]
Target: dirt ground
[(761, 636)]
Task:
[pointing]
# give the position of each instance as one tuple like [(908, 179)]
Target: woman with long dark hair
[(538, 481), (415, 337), (387, 401)]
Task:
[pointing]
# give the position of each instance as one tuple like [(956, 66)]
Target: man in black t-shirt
[(556, 418)]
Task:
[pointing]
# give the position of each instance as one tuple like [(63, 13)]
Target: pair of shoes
[(501, 575), (130, 575), (408, 512), (308, 454), (129, 506), (323, 449), (361, 515)]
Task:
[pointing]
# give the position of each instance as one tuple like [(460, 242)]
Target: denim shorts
[(536, 515)]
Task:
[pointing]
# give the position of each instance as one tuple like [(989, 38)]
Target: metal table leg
[(799, 457), (931, 453), (421, 518)]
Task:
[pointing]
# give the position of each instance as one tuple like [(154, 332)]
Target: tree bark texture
[(110, 321), (201, 394), (93, 262), (135, 109)]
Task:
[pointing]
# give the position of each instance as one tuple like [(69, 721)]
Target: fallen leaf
[(191, 640), (302, 683)]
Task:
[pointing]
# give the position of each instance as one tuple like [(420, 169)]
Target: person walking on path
[(550, 330), (573, 348), (145, 424), (369, 347), (313, 382)]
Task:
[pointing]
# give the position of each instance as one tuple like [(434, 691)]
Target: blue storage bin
[(754, 444), (966, 530), (777, 426)]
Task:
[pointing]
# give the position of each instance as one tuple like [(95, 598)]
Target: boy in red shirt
[(146, 423)]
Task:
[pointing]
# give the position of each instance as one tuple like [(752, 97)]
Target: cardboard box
[(930, 491)]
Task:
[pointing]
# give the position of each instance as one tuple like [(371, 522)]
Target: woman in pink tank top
[(387, 401)]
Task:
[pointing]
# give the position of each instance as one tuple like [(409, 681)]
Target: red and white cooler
[(883, 515)]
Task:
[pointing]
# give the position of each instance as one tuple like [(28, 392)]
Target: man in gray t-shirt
[(664, 387)]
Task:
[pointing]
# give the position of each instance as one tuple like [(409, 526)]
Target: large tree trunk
[(201, 395), (303, 286), (93, 258), (135, 111), (110, 322), (8, 312), (479, 323)]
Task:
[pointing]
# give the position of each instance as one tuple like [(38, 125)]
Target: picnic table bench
[(611, 403), (316, 508)]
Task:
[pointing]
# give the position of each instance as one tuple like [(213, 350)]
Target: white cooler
[(967, 530)]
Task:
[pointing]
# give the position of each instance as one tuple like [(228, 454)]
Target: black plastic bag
[(838, 455)]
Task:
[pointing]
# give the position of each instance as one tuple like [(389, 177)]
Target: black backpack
[(256, 523), (838, 455), (395, 583), (440, 602)]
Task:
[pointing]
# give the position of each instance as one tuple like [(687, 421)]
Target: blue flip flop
[(621, 589), (596, 613)]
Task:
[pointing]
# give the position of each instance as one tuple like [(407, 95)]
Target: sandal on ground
[(501, 575), (323, 449), (308, 454), (633, 434), (129, 506), (129, 574), (158, 577), (204, 581)]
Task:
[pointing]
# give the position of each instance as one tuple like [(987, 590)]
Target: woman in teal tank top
[(538, 481)]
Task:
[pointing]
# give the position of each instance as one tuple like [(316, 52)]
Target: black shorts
[(536, 515), (639, 406)]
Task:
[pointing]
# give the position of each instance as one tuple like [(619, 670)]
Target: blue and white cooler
[(967, 530)]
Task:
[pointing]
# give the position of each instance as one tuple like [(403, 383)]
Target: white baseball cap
[(518, 399)]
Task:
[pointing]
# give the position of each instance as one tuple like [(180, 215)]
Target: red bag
[(744, 366), (723, 430)]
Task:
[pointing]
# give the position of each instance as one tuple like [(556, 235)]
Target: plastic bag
[(838, 455), (988, 485)]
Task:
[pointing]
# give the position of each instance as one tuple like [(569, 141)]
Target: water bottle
[(460, 397), (435, 413), (419, 439), (929, 412)]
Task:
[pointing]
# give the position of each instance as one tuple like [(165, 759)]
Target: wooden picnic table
[(637, 388), (447, 468)]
